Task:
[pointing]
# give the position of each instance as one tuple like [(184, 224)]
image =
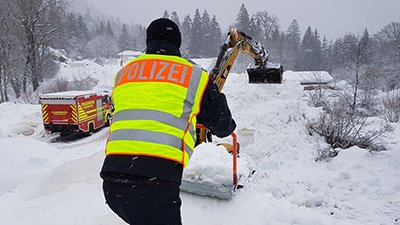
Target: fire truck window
[(104, 99)]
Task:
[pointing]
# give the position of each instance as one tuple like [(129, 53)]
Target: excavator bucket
[(270, 73), (220, 191)]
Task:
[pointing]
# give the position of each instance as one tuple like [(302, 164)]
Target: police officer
[(158, 97)]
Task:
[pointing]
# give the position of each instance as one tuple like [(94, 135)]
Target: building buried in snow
[(311, 80), (127, 56)]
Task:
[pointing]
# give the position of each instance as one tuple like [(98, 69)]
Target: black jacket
[(214, 114)]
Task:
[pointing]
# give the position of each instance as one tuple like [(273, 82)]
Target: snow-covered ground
[(45, 179)]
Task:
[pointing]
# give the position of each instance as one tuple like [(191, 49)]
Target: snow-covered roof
[(130, 53), (57, 52), (308, 77), (68, 94)]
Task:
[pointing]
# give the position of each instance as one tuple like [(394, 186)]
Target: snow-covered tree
[(266, 24), (186, 35), (103, 46), (277, 47), (101, 28), (38, 20), (11, 71), (215, 40), (387, 55), (195, 45), (326, 48), (206, 48), (166, 14), (175, 18), (311, 52), (291, 51), (293, 34), (109, 29), (354, 65), (243, 20), (73, 37), (125, 40)]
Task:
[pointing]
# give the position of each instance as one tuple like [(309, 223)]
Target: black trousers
[(143, 201)]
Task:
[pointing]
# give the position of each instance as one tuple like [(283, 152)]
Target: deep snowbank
[(47, 180)]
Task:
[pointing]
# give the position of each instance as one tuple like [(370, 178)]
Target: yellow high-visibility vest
[(156, 100)]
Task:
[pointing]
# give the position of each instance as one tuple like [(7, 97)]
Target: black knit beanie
[(164, 29)]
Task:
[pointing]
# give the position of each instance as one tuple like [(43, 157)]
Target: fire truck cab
[(75, 111)]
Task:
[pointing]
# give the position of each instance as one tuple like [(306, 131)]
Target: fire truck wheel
[(91, 130), (108, 120)]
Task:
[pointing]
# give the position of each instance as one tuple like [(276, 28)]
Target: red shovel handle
[(235, 179)]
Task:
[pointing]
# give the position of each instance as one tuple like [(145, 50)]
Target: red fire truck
[(75, 111)]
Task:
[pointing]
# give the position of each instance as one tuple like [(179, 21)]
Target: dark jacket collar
[(162, 47)]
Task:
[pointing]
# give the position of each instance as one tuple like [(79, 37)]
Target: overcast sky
[(332, 18)]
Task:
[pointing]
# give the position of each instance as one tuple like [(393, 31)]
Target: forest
[(34, 32)]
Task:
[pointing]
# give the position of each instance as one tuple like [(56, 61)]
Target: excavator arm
[(261, 72)]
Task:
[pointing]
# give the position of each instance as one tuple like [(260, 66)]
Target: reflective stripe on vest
[(121, 132), (166, 118)]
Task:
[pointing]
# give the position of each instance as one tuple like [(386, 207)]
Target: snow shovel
[(220, 191)]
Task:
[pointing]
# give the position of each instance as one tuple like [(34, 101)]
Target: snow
[(308, 76), (131, 53), (47, 179), (68, 94)]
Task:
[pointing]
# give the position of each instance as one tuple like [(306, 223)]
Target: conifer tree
[(311, 53), (215, 41), (326, 55), (166, 14), (109, 29), (276, 49), (317, 56), (175, 18), (243, 20), (293, 35), (83, 29), (195, 36), (291, 51), (366, 45), (206, 35), (185, 30), (387, 54), (101, 28), (125, 41)]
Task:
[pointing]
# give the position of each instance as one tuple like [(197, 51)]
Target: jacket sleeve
[(214, 112)]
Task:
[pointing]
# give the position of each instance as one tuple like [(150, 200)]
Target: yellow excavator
[(261, 72)]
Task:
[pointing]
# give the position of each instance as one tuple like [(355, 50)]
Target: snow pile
[(212, 163), (75, 171), (21, 159), (314, 77), (46, 179), (81, 70), (19, 120)]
